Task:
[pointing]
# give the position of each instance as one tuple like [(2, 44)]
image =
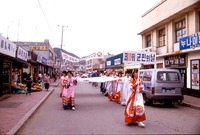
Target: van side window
[(147, 76)]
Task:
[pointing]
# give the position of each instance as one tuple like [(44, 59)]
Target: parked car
[(161, 86)]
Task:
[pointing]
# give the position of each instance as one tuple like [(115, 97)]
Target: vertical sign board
[(135, 57)]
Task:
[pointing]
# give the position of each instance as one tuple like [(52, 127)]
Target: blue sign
[(191, 41), (44, 61)]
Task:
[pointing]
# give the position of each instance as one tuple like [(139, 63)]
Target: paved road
[(94, 114)]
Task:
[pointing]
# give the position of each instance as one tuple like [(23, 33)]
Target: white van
[(161, 86)]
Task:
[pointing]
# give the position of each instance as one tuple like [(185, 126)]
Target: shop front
[(177, 61), (191, 46)]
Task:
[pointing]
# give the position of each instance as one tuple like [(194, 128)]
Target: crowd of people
[(127, 91)]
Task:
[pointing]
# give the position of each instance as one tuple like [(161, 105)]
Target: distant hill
[(57, 51)]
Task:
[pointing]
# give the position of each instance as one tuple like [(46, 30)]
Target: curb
[(17, 127), (191, 106)]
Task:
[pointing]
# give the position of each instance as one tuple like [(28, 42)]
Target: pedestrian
[(126, 92), (28, 84), (134, 110), (47, 81), (117, 96), (113, 87), (71, 82), (63, 78)]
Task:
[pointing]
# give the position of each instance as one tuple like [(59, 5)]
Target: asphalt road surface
[(96, 115)]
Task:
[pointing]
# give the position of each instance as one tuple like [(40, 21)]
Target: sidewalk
[(15, 109), (191, 101)]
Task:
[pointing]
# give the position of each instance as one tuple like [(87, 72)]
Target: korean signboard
[(69, 57), (175, 61), (96, 55), (22, 54), (139, 57), (117, 61), (191, 41), (39, 48), (7, 47)]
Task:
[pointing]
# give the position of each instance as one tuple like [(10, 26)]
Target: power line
[(44, 14)]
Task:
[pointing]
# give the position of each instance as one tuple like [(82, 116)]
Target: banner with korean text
[(7, 47), (136, 57), (67, 57)]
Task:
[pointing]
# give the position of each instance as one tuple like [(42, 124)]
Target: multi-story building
[(172, 29), (41, 56)]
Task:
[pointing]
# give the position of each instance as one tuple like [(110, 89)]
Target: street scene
[(99, 67), (95, 114)]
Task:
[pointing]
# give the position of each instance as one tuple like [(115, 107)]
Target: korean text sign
[(191, 41), (139, 57)]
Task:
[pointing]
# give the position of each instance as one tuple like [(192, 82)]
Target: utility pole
[(61, 44)]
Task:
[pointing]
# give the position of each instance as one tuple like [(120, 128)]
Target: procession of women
[(125, 89)]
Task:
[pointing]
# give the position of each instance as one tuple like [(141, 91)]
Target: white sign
[(108, 63), (7, 47), (69, 57), (22, 54), (117, 61), (139, 57), (96, 55)]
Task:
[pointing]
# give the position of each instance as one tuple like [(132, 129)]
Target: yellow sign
[(39, 48)]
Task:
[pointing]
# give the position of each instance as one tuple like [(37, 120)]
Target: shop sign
[(7, 47), (175, 61), (191, 41), (69, 57), (22, 54), (96, 55), (139, 57), (39, 48), (44, 61), (117, 61), (108, 63), (50, 62), (39, 58)]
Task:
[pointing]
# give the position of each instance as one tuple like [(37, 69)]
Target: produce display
[(36, 87)]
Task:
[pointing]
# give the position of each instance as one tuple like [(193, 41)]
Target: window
[(180, 30), (161, 37), (168, 76), (148, 40)]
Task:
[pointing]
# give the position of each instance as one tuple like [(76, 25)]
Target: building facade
[(171, 29)]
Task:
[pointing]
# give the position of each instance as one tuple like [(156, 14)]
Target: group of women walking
[(124, 89), (127, 90), (67, 90)]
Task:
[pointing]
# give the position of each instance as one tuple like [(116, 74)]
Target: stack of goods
[(36, 87)]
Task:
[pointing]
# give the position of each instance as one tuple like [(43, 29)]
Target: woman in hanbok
[(134, 110), (112, 87), (71, 82), (119, 87), (126, 92), (63, 78)]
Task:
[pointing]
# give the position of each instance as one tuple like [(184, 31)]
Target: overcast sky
[(90, 25)]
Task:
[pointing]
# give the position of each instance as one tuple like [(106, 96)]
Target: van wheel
[(146, 101)]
